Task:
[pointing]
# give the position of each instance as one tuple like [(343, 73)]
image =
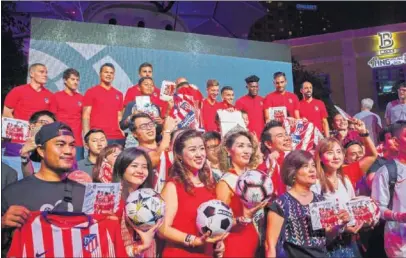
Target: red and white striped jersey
[(67, 235), (185, 111), (305, 136)]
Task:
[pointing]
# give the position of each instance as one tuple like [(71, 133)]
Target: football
[(144, 208), (254, 187), (215, 217)]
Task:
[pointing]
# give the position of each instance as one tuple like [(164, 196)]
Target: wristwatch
[(243, 220), (364, 134)]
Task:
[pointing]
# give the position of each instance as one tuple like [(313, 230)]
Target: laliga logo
[(386, 43)]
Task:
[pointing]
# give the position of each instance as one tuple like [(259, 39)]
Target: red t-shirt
[(354, 172), (224, 105), (288, 100), (135, 91), (25, 101), (315, 111), (278, 185), (254, 107), (208, 115), (190, 91), (68, 109), (105, 107)]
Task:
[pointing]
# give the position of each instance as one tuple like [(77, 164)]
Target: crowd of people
[(103, 135)]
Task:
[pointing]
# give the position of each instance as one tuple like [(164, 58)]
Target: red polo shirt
[(287, 99), (25, 101), (208, 115), (315, 111), (254, 107), (105, 107), (224, 105), (134, 91), (68, 109)]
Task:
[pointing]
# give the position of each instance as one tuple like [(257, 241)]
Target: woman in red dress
[(190, 185), (236, 155)]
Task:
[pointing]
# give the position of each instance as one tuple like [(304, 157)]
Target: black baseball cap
[(52, 130)]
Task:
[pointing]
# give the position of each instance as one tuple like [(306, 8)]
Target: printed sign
[(14, 129), (230, 120), (324, 214), (167, 90), (278, 113)]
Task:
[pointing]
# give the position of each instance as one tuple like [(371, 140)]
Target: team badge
[(290, 101), (46, 100), (117, 97), (90, 242), (155, 95), (79, 103), (261, 103), (316, 108)]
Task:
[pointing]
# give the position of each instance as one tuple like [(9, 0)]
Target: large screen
[(86, 46)]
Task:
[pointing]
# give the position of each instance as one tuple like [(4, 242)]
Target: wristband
[(364, 134), (243, 220), (189, 239), (167, 131)]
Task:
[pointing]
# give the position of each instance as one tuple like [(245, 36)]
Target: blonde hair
[(325, 145), (224, 159)]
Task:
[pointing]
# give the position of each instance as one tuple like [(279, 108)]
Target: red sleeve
[(266, 102), (88, 98), (121, 101), (353, 172), (296, 102), (238, 105), (12, 98), (323, 110), (16, 249), (129, 96), (52, 104)]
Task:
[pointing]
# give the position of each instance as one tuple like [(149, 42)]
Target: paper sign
[(101, 198), (230, 120), (14, 129), (277, 113), (324, 214), (343, 113), (143, 104), (167, 90), (363, 210)]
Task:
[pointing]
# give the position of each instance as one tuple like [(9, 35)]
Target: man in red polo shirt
[(252, 103), (23, 101), (281, 98), (227, 95), (103, 106), (209, 106), (68, 107), (313, 109), (145, 70)]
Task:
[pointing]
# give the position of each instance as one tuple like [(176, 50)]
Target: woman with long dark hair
[(190, 185), (103, 168), (237, 155), (133, 169)]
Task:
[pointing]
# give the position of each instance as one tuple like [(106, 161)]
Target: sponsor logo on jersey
[(90, 242)]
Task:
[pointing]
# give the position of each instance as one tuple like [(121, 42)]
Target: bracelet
[(189, 239), (167, 131), (243, 220), (25, 159), (364, 134)]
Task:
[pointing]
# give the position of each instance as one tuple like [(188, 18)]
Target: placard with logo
[(278, 113), (14, 129), (324, 214), (101, 198), (167, 90)]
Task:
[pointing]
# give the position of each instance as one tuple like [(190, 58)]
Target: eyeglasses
[(42, 122), (147, 126)]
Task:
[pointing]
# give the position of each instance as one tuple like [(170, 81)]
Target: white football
[(214, 216), (144, 208), (254, 187)]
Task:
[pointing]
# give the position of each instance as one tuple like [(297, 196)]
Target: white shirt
[(343, 194), (395, 232)]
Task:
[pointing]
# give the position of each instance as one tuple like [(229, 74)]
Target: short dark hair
[(244, 112), (291, 165), (34, 117), (107, 65), (92, 131), (398, 127), (132, 126), (35, 65), (226, 88), (143, 79), (144, 65), (301, 85), (389, 129), (278, 74), (68, 72), (353, 142), (266, 135), (211, 135)]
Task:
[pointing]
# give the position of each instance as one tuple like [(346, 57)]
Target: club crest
[(79, 103), (46, 100), (290, 101), (90, 242), (316, 108)]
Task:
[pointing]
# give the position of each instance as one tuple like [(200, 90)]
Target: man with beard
[(252, 103), (48, 189), (145, 70), (281, 98), (276, 143), (210, 106), (313, 109), (68, 107), (396, 110), (103, 106)]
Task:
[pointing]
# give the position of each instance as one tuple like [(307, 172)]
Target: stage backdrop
[(86, 46)]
